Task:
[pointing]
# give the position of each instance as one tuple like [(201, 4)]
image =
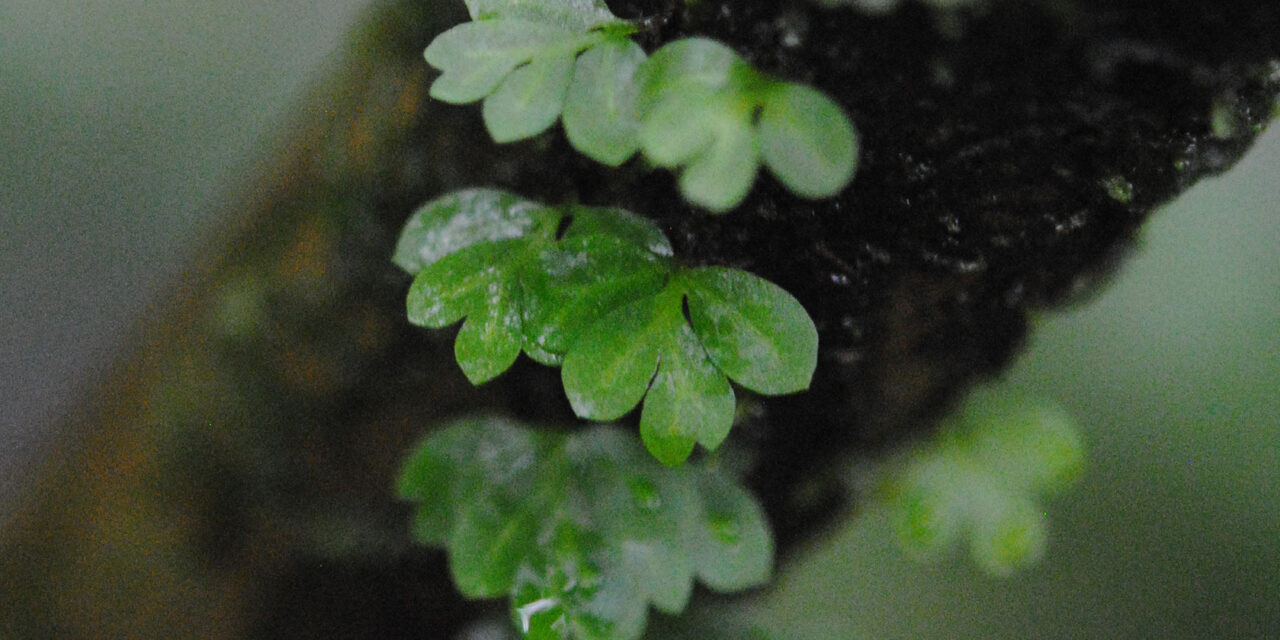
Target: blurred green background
[(126, 123), (126, 126), (1173, 374)]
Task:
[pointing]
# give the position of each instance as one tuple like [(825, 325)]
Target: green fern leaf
[(704, 108), (596, 290), (695, 105), (982, 479), (519, 56), (583, 532), (600, 112), (743, 327), (494, 259)]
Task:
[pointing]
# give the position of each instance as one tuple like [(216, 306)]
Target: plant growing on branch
[(694, 104), (583, 532), (598, 292)]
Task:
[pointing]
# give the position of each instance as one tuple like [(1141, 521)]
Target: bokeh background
[(126, 126), (1173, 373)]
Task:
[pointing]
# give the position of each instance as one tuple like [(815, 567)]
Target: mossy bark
[(233, 478)]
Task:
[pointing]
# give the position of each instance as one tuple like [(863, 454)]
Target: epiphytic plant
[(583, 531), (598, 292), (695, 104), (702, 107), (982, 478)]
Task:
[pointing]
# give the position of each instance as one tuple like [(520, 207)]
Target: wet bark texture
[(232, 480)]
